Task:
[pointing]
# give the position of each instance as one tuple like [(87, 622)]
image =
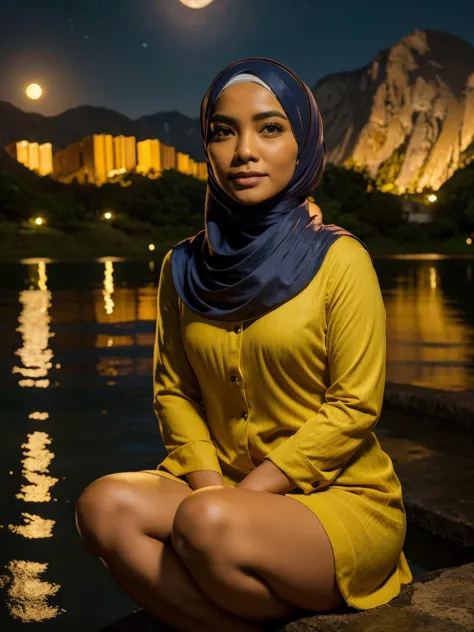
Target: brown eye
[(275, 126)]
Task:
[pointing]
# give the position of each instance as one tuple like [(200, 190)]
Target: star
[(145, 44)]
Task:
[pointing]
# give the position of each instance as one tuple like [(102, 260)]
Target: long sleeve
[(177, 394), (356, 348)]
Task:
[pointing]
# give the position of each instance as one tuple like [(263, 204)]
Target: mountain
[(407, 116), (172, 128)]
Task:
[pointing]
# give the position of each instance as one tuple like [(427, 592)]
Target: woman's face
[(244, 137)]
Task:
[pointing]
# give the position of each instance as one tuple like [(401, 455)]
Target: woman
[(275, 497)]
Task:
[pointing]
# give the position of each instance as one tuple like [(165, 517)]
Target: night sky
[(145, 56)]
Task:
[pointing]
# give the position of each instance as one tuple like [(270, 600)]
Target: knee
[(101, 508), (206, 521)]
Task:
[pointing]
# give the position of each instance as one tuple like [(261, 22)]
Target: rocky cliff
[(408, 116)]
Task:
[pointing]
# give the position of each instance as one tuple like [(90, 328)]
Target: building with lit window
[(125, 153), (88, 161), (33, 156), (149, 156), (100, 158)]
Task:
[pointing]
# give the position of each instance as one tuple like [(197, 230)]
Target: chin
[(251, 197), (251, 200)]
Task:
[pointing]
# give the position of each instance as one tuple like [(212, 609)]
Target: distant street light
[(432, 197), (108, 215), (468, 241), (151, 247), (39, 221)]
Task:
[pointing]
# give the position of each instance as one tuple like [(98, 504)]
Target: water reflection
[(35, 527), (429, 339), (95, 322), (123, 306), (35, 469), (27, 593), (108, 287), (35, 355)]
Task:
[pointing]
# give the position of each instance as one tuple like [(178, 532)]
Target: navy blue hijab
[(251, 259)]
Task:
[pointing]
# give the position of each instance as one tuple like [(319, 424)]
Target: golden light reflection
[(28, 594), (147, 303), (108, 287), (35, 527), (35, 354), (112, 367), (35, 469), (104, 341), (39, 416), (428, 340), (42, 277)]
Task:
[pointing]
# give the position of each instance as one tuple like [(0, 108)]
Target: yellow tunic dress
[(303, 387)]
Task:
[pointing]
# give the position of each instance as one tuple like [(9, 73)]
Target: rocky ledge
[(439, 601), (455, 407)]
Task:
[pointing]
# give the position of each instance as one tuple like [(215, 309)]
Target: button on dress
[(301, 386)]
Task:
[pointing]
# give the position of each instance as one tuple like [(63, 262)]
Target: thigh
[(271, 535), (149, 500), (295, 554)]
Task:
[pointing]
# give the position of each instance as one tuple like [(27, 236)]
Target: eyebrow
[(256, 117)]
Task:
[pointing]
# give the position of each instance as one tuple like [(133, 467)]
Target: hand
[(267, 477)]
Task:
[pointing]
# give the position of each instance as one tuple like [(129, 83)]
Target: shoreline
[(98, 240)]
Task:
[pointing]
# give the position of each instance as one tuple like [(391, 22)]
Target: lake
[(76, 358)]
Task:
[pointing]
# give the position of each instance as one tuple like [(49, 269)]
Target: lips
[(248, 180), (246, 174)]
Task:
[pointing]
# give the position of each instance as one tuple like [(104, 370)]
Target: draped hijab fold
[(250, 259)]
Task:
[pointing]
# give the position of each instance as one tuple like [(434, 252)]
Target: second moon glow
[(196, 4)]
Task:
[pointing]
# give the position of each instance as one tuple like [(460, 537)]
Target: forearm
[(267, 477), (204, 478)]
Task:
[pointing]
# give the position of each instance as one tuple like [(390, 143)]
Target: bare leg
[(125, 519), (152, 574)]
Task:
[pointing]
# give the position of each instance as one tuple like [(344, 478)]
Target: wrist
[(204, 478)]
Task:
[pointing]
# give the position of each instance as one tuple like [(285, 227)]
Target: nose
[(246, 146)]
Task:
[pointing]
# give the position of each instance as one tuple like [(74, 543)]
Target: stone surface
[(456, 407), (415, 98), (441, 601), (433, 460)]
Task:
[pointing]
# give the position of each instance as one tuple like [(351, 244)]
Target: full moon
[(34, 91), (196, 4)]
